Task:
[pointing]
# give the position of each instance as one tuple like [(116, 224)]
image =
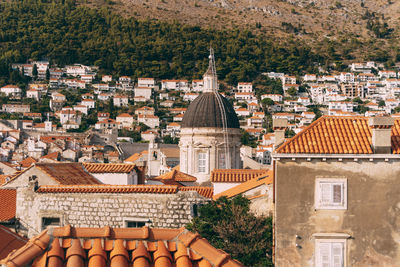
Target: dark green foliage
[(170, 140), (229, 225), (132, 134), (266, 85), (247, 139), (68, 34)]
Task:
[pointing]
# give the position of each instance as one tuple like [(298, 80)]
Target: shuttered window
[(331, 194), (330, 254)]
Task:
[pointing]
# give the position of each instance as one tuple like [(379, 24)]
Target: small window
[(330, 253), (331, 194), (134, 224), (50, 221), (201, 162)]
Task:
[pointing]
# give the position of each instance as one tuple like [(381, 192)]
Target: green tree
[(381, 103), (170, 140), (35, 72), (47, 74), (292, 91), (228, 224)]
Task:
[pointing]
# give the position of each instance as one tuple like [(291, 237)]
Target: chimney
[(381, 134), (279, 126)]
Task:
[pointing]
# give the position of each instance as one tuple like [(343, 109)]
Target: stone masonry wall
[(101, 209)]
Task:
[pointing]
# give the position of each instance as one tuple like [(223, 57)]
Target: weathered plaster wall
[(100, 209), (372, 218)]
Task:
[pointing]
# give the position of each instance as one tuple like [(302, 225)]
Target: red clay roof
[(266, 178), (337, 135), (67, 173), (52, 156), (105, 188), (176, 176), (8, 200), (207, 192), (109, 167), (235, 175), (137, 247), (9, 241), (27, 162)]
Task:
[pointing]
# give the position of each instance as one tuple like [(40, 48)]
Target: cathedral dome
[(207, 111)]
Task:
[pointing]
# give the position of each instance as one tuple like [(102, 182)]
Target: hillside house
[(11, 91)]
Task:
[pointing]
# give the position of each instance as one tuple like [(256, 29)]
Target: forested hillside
[(66, 33)]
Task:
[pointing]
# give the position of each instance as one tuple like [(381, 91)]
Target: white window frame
[(332, 240), (199, 166), (330, 204)]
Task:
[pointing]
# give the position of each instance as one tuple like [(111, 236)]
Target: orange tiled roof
[(27, 162), (337, 135), (92, 247), (9, 241), (52, 156), (235, 175), (266, 178), (205, 191), (8, 200), (108, 167), (3, 179), (67, 173), (176, 176), (105, 188)]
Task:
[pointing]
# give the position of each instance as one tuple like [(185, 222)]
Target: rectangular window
[(134, 224), (330, 253), (201, 162), (331, 194), (50, 221)]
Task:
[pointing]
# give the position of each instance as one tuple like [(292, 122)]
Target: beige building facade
[(337, 194)]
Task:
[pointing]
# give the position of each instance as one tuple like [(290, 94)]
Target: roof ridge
[(297, 136)]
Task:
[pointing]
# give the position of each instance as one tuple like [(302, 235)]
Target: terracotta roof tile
[(8, 200), (121, 246), (266, 178), (67, 173), (9, 241), (27, 162), (104, 188), (176, 176), (337, 135), (109, 167), (202, 190), (52, 156), (235, 175)]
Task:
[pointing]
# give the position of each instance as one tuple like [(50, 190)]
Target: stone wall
[(101, 209)]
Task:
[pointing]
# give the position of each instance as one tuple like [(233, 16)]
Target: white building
[(11, 91), (244, 87), (146, 82), (149, 120), (145, 92), (120, 101)]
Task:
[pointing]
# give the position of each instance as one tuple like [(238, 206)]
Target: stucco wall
[(117, 178), (100, 209), (372, 217)]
